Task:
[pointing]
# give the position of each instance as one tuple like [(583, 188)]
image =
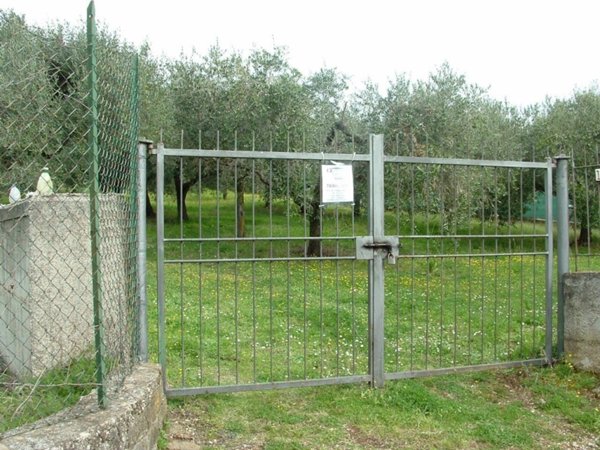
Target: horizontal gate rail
[(255, 260), (313, 156), (465, 369), (181, 392), (265, 155), (259, 239), (466, 162), (470, 255)]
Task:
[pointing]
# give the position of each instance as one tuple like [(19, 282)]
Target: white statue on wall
[(44, 184)]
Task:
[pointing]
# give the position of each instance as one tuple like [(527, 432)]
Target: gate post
[(562, 250), (376, 269), (143, 147), (160, 260)]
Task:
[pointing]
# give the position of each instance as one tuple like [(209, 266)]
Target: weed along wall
[(582, 319), (46, 313), (133, 420)]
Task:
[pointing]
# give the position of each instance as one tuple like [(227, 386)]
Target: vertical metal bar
[(321, 289), (496, 251), (534, 277), (412, 264), (482, 322), (587, 210), (271, 297), (253, 262), (95, 207), (397, 271), (428, 260), (218, 264), (470, 200), (337, 293), (181, 277), (143, 148), (305, 271), (200, 272), (289, 277), (134, 214), (353, 294), (454, 231), (522, 271), (562, 250), (575, 214), (597, 193), (376, 269), (442, 252), (236, 268), (510, 250), (160, 252), (549, 261)]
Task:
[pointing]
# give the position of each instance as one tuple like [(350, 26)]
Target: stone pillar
[(582, 320)]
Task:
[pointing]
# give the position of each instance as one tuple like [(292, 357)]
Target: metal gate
[(266, 287)]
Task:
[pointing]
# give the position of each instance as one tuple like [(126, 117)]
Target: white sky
[(522, 50)]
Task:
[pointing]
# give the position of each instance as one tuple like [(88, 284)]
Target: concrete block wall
[(582, 319), (46, 304)]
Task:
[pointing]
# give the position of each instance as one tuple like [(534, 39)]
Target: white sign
[(337, 184)]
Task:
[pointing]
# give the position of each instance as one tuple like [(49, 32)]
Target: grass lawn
[(519, 408)]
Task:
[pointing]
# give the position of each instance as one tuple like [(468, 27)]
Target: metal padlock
[(391, 258)]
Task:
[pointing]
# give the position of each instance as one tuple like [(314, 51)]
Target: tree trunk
[(314, 247), (181, 191), (585, 236), (241, 216), (356, 205), (150, 214)]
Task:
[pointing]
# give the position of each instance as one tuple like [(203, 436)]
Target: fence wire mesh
[(48, 352), (584, 212)]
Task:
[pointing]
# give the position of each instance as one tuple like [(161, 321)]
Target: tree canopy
[(258, 100)]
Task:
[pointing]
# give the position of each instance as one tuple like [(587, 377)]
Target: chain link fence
[(68, 236)]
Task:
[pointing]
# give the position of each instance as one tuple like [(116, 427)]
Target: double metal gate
[(263, 286)]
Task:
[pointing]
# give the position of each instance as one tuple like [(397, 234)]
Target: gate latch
[(389, 247)]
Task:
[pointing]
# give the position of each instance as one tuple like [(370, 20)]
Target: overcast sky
[(521, 50)]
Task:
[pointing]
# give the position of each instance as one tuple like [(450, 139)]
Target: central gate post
[(562, 247), (376, 275)]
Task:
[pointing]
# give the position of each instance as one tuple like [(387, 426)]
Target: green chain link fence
[(68, 238)]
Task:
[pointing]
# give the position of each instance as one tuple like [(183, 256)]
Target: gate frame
[(376, 159)]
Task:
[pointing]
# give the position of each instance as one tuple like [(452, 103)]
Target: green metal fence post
[(95, 206), (134, 230)]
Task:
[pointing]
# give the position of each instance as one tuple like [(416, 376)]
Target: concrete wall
[(46, 305), (132, 421), (582, 320)]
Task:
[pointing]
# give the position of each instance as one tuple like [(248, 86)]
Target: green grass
[(26, 401), (526, 408)]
